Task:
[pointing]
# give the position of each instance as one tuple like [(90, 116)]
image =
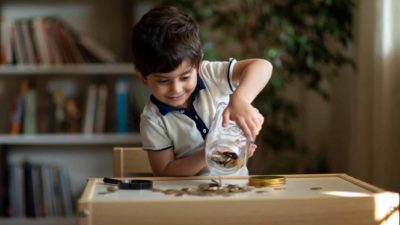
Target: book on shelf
[(26, 36), (4, 183), (74, 56), (43, 46), (44, 106), (48, 40), (111, 108), (57, 191), (32, 40), (65, 192), (38, 190), (121, 105), (101, 109), (110, 115), (18, 43), (30, 116), (7, 55), (29, 190), (18, 109), (96, 108), (16, 192), (56, 50), (90, 110)]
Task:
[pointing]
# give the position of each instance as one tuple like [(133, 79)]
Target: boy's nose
[(176, 87)]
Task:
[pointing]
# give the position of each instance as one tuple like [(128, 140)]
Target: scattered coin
[(315, 188), (112, 188), (207, 189)]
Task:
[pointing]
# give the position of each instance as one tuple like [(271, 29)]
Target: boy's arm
[(250, 76), (163, 163)]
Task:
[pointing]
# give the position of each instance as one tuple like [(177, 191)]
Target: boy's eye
[(185, 77), (162, 81)]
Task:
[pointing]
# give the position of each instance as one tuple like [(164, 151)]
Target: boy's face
[(174, 88)]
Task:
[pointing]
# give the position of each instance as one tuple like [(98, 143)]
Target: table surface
[(295, 187)]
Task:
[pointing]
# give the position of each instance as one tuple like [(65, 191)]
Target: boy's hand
[(245, 115)]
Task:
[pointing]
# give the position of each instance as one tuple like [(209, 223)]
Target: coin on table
[(266, 180), (315, 188), (112, 188)]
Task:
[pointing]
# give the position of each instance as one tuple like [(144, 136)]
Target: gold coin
[(266, 180), (315, 188)]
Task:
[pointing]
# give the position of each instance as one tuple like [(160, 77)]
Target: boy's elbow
[(267, 66)]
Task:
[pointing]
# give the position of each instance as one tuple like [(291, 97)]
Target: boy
[(185, 91)]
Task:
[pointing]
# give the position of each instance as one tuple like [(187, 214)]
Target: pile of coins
[(226, 159), (210, 189), (267, 181)]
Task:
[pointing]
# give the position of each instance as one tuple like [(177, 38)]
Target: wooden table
[(304, 199)]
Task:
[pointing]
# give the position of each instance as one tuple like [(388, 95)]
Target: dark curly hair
[(162, 39)]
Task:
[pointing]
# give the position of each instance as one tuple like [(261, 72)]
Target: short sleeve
[(218, 75), (231, 65), (153, 135)]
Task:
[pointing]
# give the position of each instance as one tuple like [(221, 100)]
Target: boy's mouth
[(175, 97)]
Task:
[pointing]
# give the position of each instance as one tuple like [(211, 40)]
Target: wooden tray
[(304, 199)]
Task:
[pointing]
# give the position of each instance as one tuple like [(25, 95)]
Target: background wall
[(364, 115), (357, 131)]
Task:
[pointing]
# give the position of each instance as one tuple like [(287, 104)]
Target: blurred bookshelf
[(68, 95), (40, 221), (71, 139), (110, 69)]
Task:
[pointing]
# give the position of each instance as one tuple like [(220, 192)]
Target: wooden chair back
[(130, 161)]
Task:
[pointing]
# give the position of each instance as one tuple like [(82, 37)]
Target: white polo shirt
[(163, 126)]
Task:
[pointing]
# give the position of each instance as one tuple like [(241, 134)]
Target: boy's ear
[(140, 77)]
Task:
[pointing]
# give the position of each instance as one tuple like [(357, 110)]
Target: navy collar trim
[(164, 108)]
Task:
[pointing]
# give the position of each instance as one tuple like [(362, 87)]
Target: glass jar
[(226, 148)]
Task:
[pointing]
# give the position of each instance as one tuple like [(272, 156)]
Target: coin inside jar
[(226, 159)]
